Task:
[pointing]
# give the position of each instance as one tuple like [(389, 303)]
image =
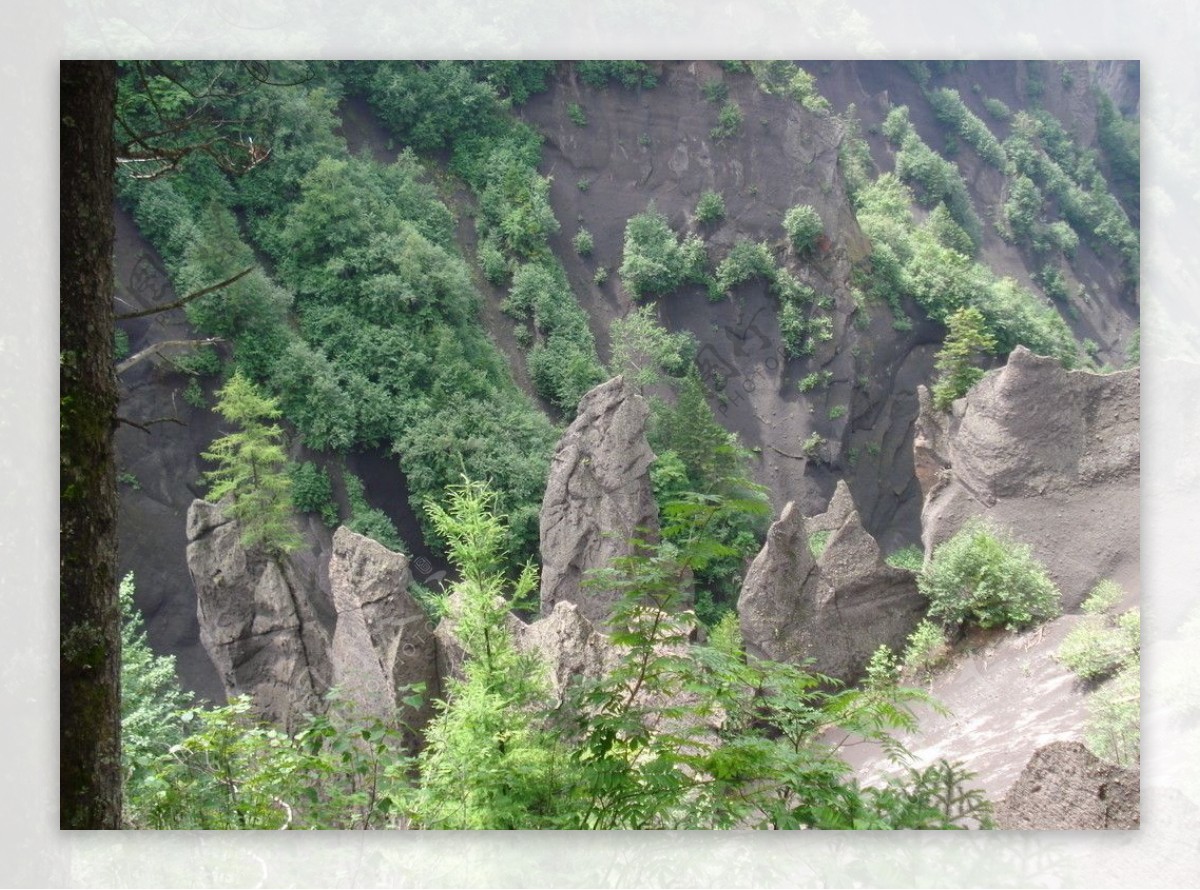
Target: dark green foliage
[(193, 394), (854, 155), (312, 492), (779, 77), (982, 576), (1120, 139), (518, 80), (804, 227), (966, 341), (645, 352), (729, 122), (655, 261), (202, 362), (715, 91), (629, 74), (563, 362), (947, 232), (710, 208), (120, 344), (368, 521)]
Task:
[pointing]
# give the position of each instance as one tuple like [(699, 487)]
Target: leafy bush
[(926, 649), (817, 542), (998, 109), (911, 557), (193, 394), (780, 77), (814, 446), (1113, 731), (729, 122), (746, 260), (601, 276), (966, 340), (312, 492), (629, 74), (982, 576), (837, 411), (715, 90), (368, 521), (804, 227), (815, 380), (710, 207), (584, 243), (655, 261), (951, 111), (575, 115)]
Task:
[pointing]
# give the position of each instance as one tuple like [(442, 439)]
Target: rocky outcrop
[(835, 609), (598, 497), (383, 642), (259, 619), (570, 645), (1052, 455), (1064, 786)]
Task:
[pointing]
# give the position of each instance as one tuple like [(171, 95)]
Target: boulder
[(1053, 455), (570, 645), (383, 642), (835, 610), (598, 498), (1064, 786), (259, 619)]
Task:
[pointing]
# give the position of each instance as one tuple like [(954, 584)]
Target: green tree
[(803, 226), (252, 468), (646, 352), (966, 341)]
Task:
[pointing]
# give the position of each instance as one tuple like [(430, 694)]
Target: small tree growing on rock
[(252, 468), (804, 227), (966, 341)]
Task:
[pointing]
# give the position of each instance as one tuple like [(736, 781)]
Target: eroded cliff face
[(598, 498), (260, 618), (835, 609), (1064, 786), (286, 630), (1053, 455)]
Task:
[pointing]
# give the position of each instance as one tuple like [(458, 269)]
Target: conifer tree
[(252, 468), (966, 339)]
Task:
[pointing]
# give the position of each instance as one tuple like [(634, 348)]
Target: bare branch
[(155, 348), (145, 427), (183, 301)]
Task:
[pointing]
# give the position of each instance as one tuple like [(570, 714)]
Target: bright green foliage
[(488, 763), (854, 155), (817, 542), (629, 74), (583, 242), (1113, 732), (747, 259), (715, 90), (729, 122), (252, 468), (576, 115), (952, 112), (804, 227), (645, 352), (1103, 643), (815, 380), (925, 650), (947, 232), (150, 698), (966, 340), (312, 492), (710, 207), (368, 521), (911, 557), (655, 261), (982, 576)]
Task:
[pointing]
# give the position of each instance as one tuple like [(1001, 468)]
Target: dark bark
[(89, 618)]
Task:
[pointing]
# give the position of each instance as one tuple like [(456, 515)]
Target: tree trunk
[(89, 618)]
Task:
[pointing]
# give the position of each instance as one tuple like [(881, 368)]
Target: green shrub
[(817, 542), (576, 115), (312, 492), (983, 576), (368, 521), (1095, 649), (1113, 731), (710, 207), (584, 243), (584, 184), (966, 340), (601, 276), (655, 261), (203, 362), (729, 122), (629, 74), (814, 446), (120, 344), (911, 557), (746, 260), (816, 379), (193, 394), (926, 648), (715, 90), (951, 111), (837, 411), (804, 227), (997, 109)]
